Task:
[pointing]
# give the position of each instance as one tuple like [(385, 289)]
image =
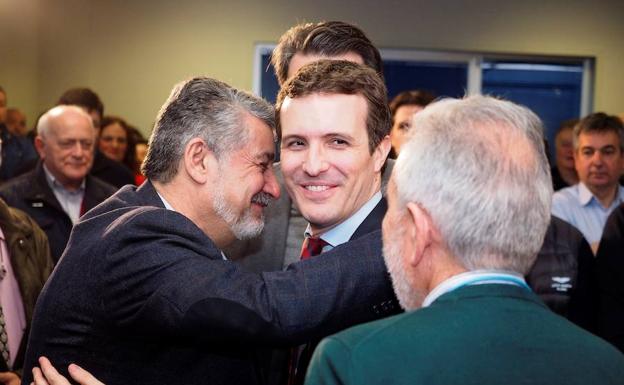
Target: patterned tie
[(4, 339), (312, 246)]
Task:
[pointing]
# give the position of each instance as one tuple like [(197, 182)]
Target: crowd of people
[(195, 259)]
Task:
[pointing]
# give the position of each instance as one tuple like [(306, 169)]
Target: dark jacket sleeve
[(166, 279)]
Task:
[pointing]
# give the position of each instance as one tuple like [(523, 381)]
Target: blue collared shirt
[(342, 232), (579, 207), (476, 277), (71, 201)]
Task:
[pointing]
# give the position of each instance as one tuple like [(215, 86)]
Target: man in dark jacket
[(143, 294), (59, 190)]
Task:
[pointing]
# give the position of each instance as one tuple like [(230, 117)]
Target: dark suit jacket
[(563, 274), (480, 334), (276, 362), (31, 193), (111, 172), (610, 278), (143, 296)]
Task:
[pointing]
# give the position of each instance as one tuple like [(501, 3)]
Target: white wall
[(132, 52)]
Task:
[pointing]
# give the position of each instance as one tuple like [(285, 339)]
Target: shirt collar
[(164, 201), (342, 232), (585, 195), (475, 277), (169, 207), (55, 184)]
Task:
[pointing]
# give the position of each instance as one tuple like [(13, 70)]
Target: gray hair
[(599, 122), (45, 122), (201, 108), (478, 166)]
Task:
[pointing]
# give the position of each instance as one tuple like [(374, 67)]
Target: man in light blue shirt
[(598, 145)]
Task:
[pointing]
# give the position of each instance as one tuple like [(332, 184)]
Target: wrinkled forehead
[(71, 125), (261, 140)]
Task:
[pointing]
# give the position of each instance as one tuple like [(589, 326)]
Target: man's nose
[(271, 186), (315, 161)]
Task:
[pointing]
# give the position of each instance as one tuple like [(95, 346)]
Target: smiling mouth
[(316, 188)]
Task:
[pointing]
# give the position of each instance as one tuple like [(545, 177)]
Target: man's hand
[(48, 375), (9, 378)]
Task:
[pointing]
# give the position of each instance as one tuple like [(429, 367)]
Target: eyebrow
[(267, 156), (327, 135), (599, 148)]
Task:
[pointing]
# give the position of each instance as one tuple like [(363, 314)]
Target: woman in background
[(403, 107)]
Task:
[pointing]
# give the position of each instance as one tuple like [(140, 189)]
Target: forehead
[(598, 139), (407, 110), (565, 132), (15, 114), (300, 59), (71, 125), (322, 114), (261, 143), (114, 129)]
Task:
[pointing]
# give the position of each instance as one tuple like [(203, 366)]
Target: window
[(555, 88)]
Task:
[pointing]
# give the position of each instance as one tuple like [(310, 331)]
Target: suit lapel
[(372, 221), (41, 195)]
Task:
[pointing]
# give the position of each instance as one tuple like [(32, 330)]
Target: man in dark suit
[(610, 278), (334, 124), (143, 294), (457, 248), (280, 244), (60, 189)]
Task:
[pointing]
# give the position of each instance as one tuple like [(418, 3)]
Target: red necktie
[(311, 247)]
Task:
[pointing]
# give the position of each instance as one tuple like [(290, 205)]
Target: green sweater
[(480, 334)]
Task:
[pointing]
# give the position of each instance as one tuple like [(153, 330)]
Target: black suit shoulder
[(111, 172), (563, 274), (610, 277), (373, 220)]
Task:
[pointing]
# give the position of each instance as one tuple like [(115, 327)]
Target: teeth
[(317, 188)]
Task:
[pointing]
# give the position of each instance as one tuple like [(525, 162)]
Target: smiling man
[(334, 131), (333, 121), (59, 190), (598, 146), (280, 244), (143, 294)]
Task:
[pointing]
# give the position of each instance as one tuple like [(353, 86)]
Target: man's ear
[(199, 162), (40, 146), (381, 153), (420, 230)]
